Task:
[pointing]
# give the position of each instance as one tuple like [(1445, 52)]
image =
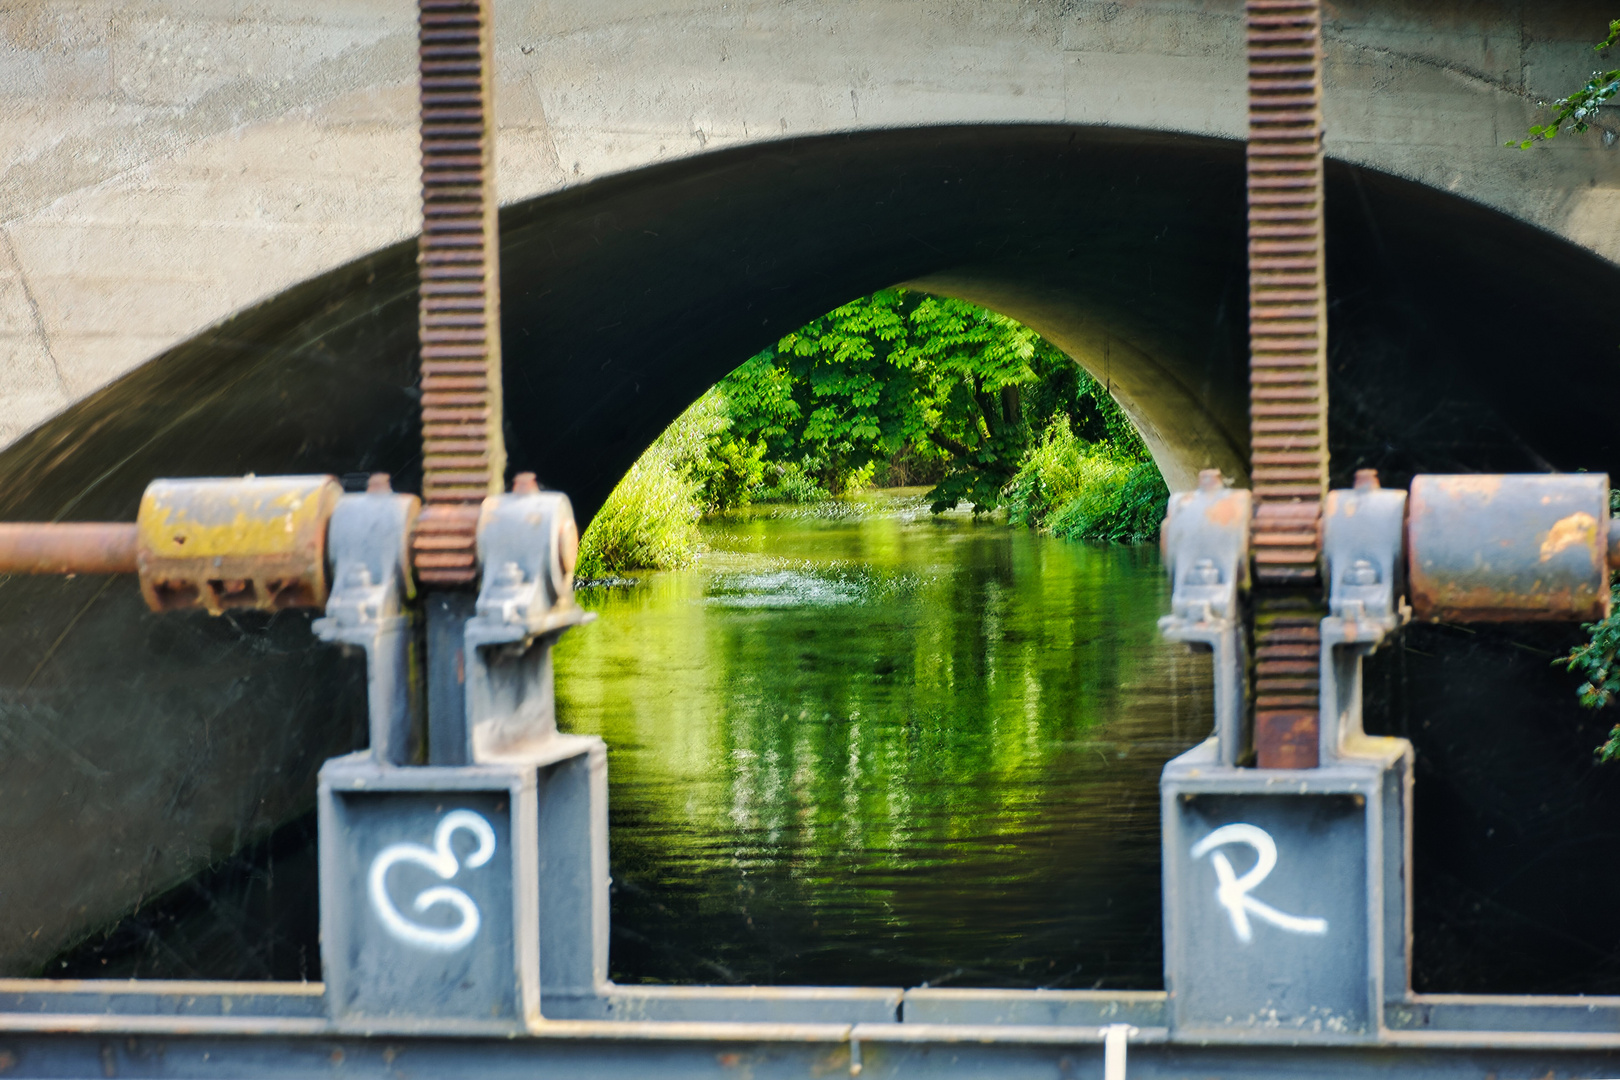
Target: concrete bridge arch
[(166, 165)]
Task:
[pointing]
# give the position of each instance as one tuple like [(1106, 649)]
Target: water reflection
[(858, 744)]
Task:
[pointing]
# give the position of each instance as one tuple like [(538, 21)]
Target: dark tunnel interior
[(1453, 349)]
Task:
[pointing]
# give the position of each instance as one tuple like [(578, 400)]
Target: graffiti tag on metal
[(1232, 891), (442, 860)]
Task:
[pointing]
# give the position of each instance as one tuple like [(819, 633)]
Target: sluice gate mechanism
[(463, 855)]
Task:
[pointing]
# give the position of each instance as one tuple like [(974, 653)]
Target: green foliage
[(649, 521), (1087, 491), (793, 482), (1595, 660), (900, 384), (1053, 473), (1579, 109), (957, 393), (1122, 504), (731, 472)]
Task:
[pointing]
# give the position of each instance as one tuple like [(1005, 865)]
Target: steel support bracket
[(1287, 891), (368, 546), (526, 546), (456, 898), (1205, 543), (1363, 560)]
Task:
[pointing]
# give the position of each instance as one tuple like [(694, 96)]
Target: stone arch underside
[(143, 747)]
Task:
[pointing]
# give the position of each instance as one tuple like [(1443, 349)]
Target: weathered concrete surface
[(165, 163)]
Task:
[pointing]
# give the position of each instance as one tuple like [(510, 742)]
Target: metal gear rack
[(463, 878)]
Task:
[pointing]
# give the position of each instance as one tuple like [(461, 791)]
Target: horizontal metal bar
[(1497, 1013), (161, 998), (800, 1004), (931, 1005), (722, 1050), (67, 548), (990, 1034), (760, 1016)]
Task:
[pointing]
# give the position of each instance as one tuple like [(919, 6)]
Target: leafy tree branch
[(1577, 111)]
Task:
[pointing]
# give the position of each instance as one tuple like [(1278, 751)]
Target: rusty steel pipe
[(1526, 548), (79, 547)]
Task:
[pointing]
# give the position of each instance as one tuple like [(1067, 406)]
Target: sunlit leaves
[(929, 377), (1577, 111), (1597, 660)]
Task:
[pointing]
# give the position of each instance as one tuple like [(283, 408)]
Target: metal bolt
[(1361, 572)]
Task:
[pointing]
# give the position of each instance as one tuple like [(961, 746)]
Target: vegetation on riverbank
[(898, 388)]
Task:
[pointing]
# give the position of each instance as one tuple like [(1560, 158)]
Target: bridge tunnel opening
[(1461, 340)]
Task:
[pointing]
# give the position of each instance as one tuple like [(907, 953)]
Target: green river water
[(857, 744)]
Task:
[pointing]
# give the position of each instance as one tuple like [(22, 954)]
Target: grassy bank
[(1087, 491), (649, 522), (1066, 486)]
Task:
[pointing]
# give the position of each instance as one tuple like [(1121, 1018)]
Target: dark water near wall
[(860, 745)]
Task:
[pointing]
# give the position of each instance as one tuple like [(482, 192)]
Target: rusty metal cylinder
[(1509, 548), (67, 548), (241, 542)]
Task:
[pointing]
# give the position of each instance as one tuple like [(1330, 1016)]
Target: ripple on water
[(781, 589), (855, 743)]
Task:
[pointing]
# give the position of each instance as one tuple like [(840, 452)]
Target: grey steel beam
[(603, 1052)]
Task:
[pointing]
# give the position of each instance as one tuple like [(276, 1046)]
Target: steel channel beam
[(575, 1049), (52, 1028)]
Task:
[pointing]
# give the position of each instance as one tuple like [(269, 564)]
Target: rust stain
[(1224, 511), (1456, 600), (1483, 485), (1286, 739), (1579, 528), (243, 542)]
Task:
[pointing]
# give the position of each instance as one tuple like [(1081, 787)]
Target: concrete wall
[(165, 163)]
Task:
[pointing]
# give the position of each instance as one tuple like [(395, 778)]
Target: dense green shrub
[(792, 482), (732, 472), (1598, 661), (1123, 503), (1087, 491), (649, 522)]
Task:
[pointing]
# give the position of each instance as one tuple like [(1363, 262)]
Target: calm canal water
[(857, 744)]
